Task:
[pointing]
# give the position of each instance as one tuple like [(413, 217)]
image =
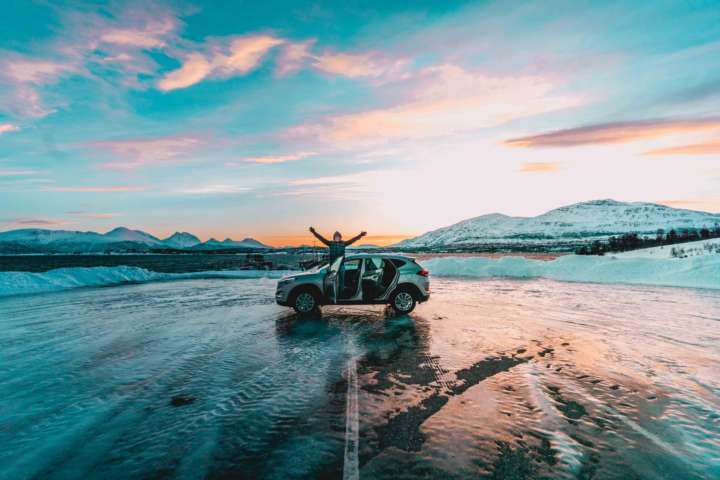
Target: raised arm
[(355, 238), (319, 237)]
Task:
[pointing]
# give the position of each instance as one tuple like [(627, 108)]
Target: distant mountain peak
[(182, 240)]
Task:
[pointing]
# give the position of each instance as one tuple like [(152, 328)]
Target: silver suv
[(361, 279)]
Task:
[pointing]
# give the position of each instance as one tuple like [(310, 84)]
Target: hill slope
[(581, 221)]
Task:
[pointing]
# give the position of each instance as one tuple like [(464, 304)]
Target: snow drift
[(16, 283), (697, 272)]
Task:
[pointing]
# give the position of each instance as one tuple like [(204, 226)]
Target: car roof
[(380, 255)]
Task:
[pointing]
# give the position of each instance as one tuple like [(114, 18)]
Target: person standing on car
[(337, 245)]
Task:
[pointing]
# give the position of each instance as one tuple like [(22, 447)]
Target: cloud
[(193, 70), (711, 147), (214, 189), (140, 152), (440, 101), (39, 222), (539, 167), (98, 189), (293, 56), (270, 159), (236, 57), (8, 127), (354, 65), (16, 172), (150, 33), (617, 132), (24, 76)]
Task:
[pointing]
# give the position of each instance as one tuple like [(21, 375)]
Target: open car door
[(389, 279), (331, 282)]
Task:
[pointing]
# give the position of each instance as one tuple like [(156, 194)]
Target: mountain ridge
[(593, 219), (119, 239)]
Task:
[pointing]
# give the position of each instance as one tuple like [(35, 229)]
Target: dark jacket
[(336, 249)]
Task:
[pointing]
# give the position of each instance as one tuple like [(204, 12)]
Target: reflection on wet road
[(494, 379)]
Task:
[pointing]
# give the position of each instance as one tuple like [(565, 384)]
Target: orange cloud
[(705, 148), (539, 167), (305, 239), (618, 132)]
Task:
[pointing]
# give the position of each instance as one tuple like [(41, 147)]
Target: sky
[(259, 119)]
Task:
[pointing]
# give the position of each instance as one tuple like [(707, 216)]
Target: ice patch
[(696, 272), (17, 283)]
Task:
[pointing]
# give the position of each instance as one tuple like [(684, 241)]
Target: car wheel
[(403, 301), (305, 302)]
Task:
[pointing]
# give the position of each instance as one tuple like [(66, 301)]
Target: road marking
[(351, 469)]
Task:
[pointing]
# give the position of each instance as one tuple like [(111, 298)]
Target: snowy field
[(499, 378), (697, 265)]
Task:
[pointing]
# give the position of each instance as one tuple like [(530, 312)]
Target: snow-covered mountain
[(581, 221), (122, 234), (230, 243), (181, 240), (121, 239)]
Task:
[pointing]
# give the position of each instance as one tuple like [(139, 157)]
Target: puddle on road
[(490, 379)]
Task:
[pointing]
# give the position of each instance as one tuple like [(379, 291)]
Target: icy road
[(491, 378)]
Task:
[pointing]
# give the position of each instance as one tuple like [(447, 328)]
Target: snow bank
[(15, 283), (697, 272), (686, 249)]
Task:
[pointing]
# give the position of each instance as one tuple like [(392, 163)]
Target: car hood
[(304, 275)]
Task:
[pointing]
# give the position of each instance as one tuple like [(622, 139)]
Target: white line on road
[(351, 469)]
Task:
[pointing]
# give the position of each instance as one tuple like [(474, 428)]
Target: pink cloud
[(25, 76), (269, 159), (8, 127), (440, 101), (236, 57), (149, 33), (193, 70), (38, 222), (617, 132), (98, 189), (134, 153), (293, 56)]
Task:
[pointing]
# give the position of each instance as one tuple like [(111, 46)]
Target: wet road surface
[(490, 379)]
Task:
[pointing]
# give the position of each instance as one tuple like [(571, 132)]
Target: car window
[(397, 262), (336, 264), (352, 265), (373, 263)]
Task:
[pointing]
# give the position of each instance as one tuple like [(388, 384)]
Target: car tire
[(305, 301), (403, 301)]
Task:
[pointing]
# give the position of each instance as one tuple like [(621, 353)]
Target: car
[(360, 279)]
